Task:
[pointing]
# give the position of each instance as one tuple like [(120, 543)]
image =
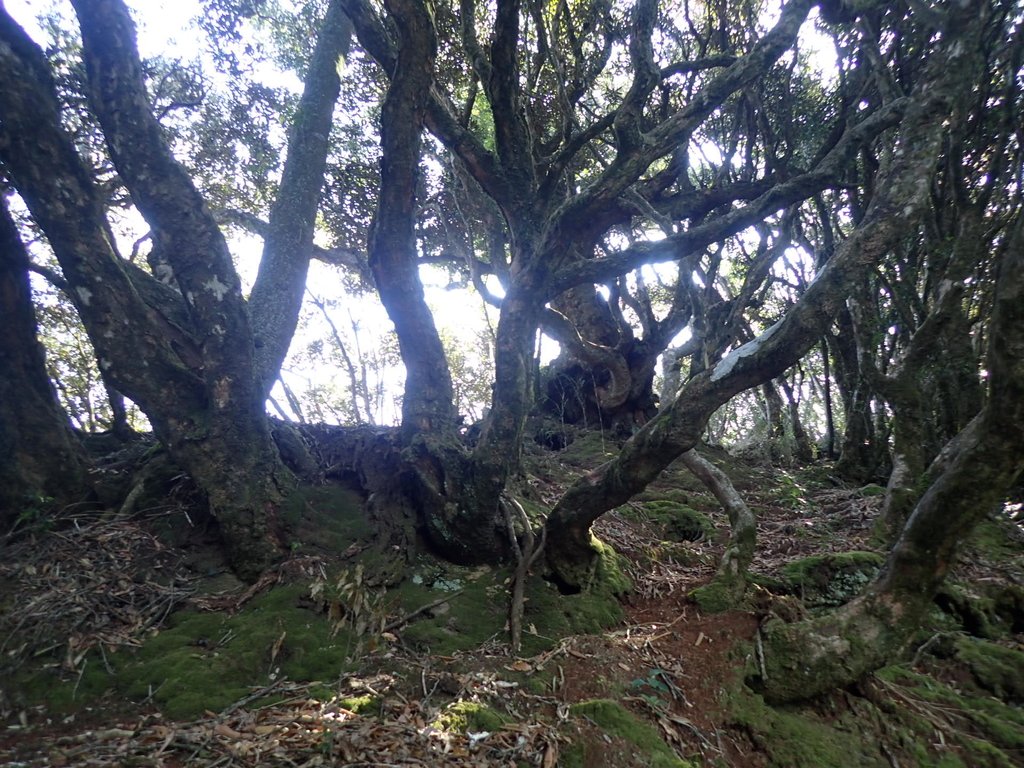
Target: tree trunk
[(184, 356), (44, 466), (730, 582), (805, 659), (896, 204)]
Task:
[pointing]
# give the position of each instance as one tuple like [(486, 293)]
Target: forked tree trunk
[(730, 582), (184, 356)]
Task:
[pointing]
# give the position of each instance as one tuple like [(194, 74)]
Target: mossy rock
[(827, 581), (679, 522), (618, 721)]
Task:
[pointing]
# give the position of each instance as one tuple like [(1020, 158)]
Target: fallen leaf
[(227, 731)]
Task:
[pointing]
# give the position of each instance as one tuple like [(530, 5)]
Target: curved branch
[(778, 196), (561, 329), (896, 205)]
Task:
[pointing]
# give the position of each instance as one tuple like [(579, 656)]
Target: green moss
[(996, 539), (361, 705), (609, 576), (573, 756), (1000, 724), (479, 611), (679, 522), (996, 668), (329, 517), (833, 579), (723, 593), (470, 717), (797, 738), (619, 721), (209, 660)]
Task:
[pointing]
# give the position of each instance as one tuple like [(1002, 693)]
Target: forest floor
[(126, 643)]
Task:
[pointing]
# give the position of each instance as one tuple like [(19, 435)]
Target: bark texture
[(43, 464), (184, 356)]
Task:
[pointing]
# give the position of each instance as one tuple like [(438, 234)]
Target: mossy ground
[(624, 674), (615, 720)]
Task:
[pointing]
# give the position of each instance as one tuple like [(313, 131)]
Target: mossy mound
[(799, 738), (723, 593), (990, 610), (978, 729), (827, 581), (996, 668), (325, 518), (207, 661), (479, 604), (997, 540), (618, 721), (677, 521)]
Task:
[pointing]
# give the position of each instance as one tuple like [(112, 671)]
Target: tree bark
[(428, 404), (288, 240), (44, 467), (803, 660), (730, 580), (186, 358)]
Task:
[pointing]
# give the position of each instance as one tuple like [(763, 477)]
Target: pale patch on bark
[(724, 368), (217, 288)]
